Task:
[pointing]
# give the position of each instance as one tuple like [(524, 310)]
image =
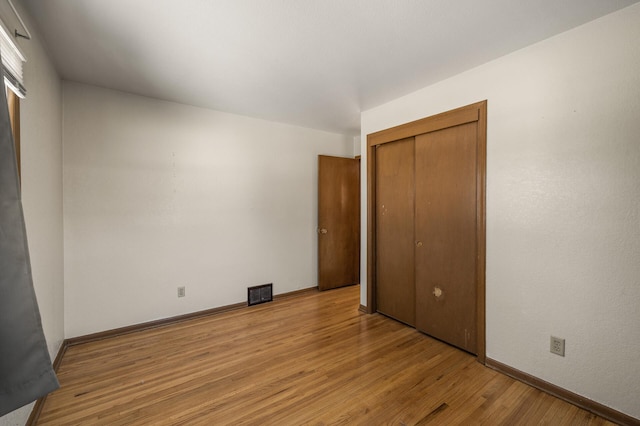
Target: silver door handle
[(322, 231)]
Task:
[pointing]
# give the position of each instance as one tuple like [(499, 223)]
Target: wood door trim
[(475, 112), (371, 228), (481, 245), (456, 117)]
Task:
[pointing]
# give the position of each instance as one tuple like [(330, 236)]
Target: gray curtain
[(26, 373)]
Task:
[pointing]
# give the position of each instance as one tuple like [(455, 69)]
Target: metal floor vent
[(260, 294)]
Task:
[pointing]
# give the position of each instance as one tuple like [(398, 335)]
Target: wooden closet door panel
[(445, 163), (395, 230)]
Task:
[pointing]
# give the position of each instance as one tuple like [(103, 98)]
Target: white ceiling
[(313, 63)]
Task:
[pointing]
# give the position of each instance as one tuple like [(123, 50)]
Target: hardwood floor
[(310, 359)]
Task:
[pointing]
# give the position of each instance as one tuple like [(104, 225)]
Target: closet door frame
[(476, 112)]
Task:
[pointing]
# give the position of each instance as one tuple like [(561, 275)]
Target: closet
[(426, 228)]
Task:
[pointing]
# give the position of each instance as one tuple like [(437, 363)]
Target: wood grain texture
[(395, 280), (372, 304), (481, 228), (456, 117), (474, 113), (151, 324), (312, 359), (166, 321), (445, 264), (37, 407), (564, 394), (338, 222)]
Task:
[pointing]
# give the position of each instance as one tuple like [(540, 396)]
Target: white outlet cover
[(557, 346)]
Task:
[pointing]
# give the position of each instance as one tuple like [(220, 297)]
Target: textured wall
[(159, 195), (563, 209)]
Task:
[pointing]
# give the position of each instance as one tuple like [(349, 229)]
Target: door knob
[(419, 244), (322, 231)]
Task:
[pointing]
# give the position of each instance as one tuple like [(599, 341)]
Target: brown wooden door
[(395, 230), (338, 222), (445, 163)]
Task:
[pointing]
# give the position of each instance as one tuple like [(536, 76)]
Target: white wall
[(159, 195), (563, 203), (357, 141), (41, 136)]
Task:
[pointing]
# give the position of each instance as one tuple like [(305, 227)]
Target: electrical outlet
[(181, 291), (557, 346)]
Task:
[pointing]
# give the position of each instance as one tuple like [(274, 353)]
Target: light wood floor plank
[(309, 359)]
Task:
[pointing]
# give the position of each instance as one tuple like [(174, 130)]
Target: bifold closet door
[(395, 278), (445, 234)]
